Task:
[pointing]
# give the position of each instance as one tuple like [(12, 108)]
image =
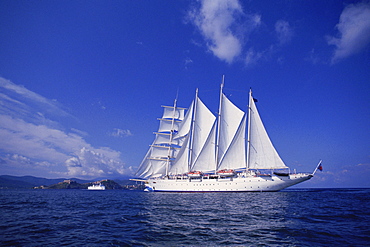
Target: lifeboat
[(195, 174), (226, 173)]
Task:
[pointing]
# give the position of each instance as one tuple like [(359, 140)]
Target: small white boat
[(96, 187)]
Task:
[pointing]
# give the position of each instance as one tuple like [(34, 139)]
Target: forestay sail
[(262, 154)]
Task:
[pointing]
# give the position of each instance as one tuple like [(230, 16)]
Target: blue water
[(129, 218)]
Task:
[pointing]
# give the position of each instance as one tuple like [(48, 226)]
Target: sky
[(82, 82)]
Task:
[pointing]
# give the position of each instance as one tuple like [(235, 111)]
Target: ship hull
[(240, 183)]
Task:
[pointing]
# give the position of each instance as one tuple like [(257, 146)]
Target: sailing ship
[(196, 151)]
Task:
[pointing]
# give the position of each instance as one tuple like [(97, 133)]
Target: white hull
[(240, 183)]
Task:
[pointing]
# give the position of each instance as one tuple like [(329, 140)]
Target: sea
[(294, 217)]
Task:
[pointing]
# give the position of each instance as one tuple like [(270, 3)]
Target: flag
[(320, 167), (255, 100)]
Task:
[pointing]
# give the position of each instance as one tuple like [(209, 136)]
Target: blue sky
[(82, 82)]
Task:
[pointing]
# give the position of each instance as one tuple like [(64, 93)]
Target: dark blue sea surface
[(328, 217)]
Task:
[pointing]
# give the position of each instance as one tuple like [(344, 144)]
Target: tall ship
[(196, 151)]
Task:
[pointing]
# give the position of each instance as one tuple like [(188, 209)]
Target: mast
[(219, 123), (249, 129), (171, 135), (190, 153)]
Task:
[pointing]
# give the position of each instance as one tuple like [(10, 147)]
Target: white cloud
[(229, 31), (79, 132), (252, 57), (120, 133), (89, 163), (32, 142), (19, 100), (219, 23), (16, 164), (364, 165), (354, 31), (284, 32), (312, 57), (37, 141), (187, 62)]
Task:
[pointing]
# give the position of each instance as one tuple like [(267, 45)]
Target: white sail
[(198, 150), (262, 154), (155, 160), (184, 127), (202, 126), (164, 148), (170, 112), (181, 164), (229, 122), (145, 168), (235, 156), (206, 160), (166, 125)]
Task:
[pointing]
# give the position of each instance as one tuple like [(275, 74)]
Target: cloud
[(364, 165), (120, 133), (16, 164), (79, 132), (20, 103), (18, 100), (100, 105), (312, 57), (32, 142), (252, 57), (187, 62), (229, 32), (89, 163), (283, 31), (353, 31), (219, 22), (345, 176)]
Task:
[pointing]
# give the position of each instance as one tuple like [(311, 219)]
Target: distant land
[(30, 182)]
